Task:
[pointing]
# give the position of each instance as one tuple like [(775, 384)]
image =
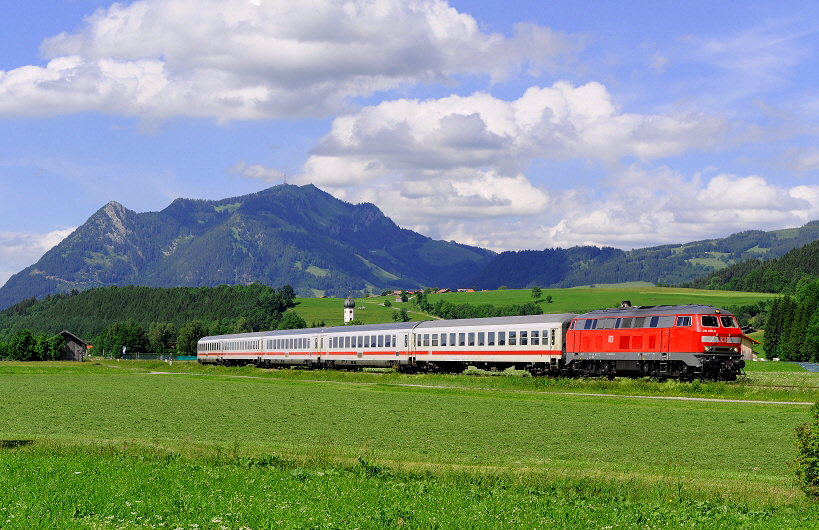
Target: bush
[(806, 464)]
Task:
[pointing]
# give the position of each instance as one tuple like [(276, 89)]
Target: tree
[(548, 299), (536, 292), (806, 464), (400, 316), (404, 296), (292, 320), (127, 334), (387, 303), (21, 346), (161, 336), (189, 335)]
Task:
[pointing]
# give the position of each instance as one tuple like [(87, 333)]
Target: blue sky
[(507, 125)]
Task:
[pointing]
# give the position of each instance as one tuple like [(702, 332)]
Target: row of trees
[(792, 329), (163, 337), (450, 311), (25, 346)]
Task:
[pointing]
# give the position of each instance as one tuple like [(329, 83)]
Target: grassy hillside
[(570, 300)]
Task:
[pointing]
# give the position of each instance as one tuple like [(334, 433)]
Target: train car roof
[(251, 335), (498, 321), (639, 311), (391, 326)]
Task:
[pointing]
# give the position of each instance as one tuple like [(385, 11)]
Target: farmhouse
[(74, 348)]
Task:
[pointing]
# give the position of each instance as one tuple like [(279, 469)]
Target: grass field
[(153, 445), (572, 300)]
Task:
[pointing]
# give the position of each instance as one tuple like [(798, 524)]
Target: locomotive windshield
[(710, 321), (728, 321)]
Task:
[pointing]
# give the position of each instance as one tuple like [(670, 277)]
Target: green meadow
[(572, 300), (155, 445)]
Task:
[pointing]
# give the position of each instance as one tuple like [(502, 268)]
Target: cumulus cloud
[(264, 59), (465, 158), (19, 250)]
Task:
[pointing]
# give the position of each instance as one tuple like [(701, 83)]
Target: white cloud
[(265, 59), (19, 250), (463, 158), (257, 171)]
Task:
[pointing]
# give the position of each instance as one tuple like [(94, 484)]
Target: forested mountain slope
[(781, 275), (285, 235), (666, 264)]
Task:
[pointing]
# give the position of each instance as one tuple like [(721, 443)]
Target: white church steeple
[(349, 309)]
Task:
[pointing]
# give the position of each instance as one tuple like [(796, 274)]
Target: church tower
[(349, 309)]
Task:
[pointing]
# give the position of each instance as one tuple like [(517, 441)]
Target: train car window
[(470, 339), (524, 338), (418, 340), (491, 341), (426, 339), (501, 338), (381, 341), (461, 339), (452, 339), (406, 340), (728, 322), (553, 337), (387, 342), (653, 321), (434, 340), (347, 342), (535, 338), (374, 341), (710, 321), (481, 337), (639, 322), (443, 339)]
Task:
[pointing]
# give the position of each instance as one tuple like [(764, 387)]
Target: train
[(683, 342)]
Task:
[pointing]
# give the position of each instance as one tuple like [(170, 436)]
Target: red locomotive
[(681, 342)]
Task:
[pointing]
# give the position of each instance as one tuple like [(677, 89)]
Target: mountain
[(666, 264), (780, 275), (285, 235)]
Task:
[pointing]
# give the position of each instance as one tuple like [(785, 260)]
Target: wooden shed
[(748, 344), (74, 348)]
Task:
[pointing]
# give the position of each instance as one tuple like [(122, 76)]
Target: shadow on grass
[(13, 444)]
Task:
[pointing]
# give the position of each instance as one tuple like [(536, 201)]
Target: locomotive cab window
[(710, 321), (684, 321), (728, 321)]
